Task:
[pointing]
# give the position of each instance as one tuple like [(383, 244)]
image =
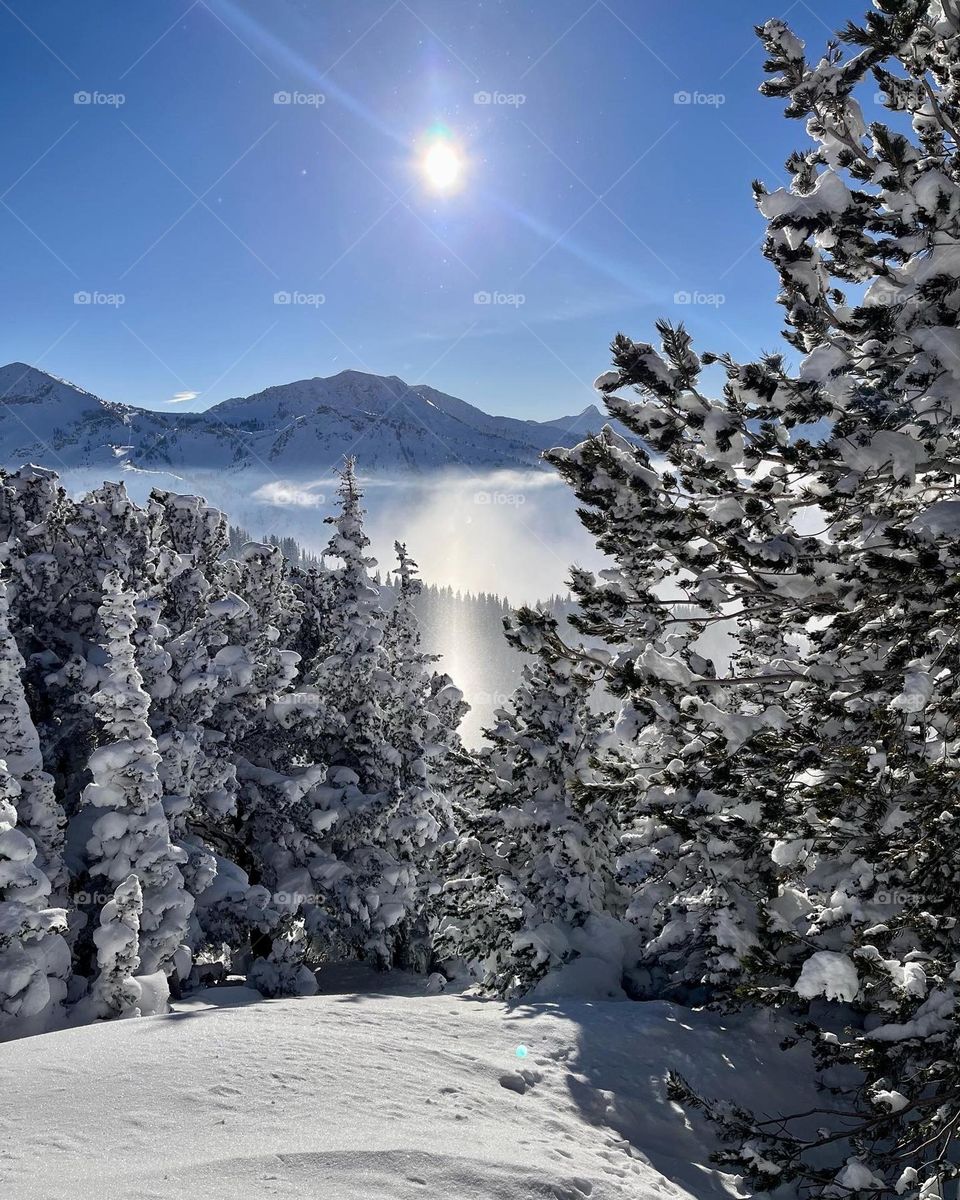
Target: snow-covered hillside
[(294, 430), (360, 1095)]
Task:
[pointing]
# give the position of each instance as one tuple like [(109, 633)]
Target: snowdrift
[(373, 1096)]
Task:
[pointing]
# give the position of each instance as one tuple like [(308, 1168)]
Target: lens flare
[(442, 164)]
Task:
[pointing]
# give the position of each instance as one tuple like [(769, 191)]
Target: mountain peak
[(590, 420), (351, 373), (16, 373), (21, 379)]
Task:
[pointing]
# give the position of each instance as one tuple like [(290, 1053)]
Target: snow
[(897, 448), (587, 977), (940, 518), (829, 974), (943, 344), (855, 1176), (608, 381), (932, 1018), (385, 1094), (293, 427), (830, 195), (891, 1101), (917, 689)]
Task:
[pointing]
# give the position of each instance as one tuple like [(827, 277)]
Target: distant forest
[(464, 628)]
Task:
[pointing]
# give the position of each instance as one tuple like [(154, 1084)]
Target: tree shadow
[(616, 1075), (217, 999)]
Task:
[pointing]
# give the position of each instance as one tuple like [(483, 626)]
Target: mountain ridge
[(295, 429)]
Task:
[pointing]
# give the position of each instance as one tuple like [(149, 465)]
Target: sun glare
[(442, 165)]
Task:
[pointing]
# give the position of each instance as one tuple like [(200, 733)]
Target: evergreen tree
[(257, 715), (532, 879), (132, 834), (695, 538), (39, 812), (418, 731), (361, 795), (116, 991), (797, 832), (166, 670), (34, 958), (871, 838)]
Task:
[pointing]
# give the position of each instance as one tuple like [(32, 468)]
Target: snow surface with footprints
[(359, 1094)]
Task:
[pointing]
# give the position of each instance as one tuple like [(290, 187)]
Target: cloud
[(453, 480), (288, 494), (182, 397)]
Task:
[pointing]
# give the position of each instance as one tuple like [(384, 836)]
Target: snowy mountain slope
[(360, 1096), (294, 430), (50, 421)]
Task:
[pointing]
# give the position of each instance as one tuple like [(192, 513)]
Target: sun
[(442, 165)]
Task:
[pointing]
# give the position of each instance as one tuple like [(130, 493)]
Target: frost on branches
[(531, 881), (39, 812), (425, 737), (215, 763), (378, 815), (34, 958), (794, 819), (116, 990), (130, 834)]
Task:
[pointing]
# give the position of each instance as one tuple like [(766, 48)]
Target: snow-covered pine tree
[(35, 513), (52, 599), (116, 536), (34, 958), (850, 653), (360, 797), (531, 882), (424, 814), (222, 755), (116, 991), (275, 613), (870, 846), (129, 833), (273, 771), (218, 673), (39, 813), (315, 587), (693, 541), (175, 649), (208, 788)]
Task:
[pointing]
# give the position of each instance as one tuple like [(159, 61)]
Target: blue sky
[(182, 198)]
